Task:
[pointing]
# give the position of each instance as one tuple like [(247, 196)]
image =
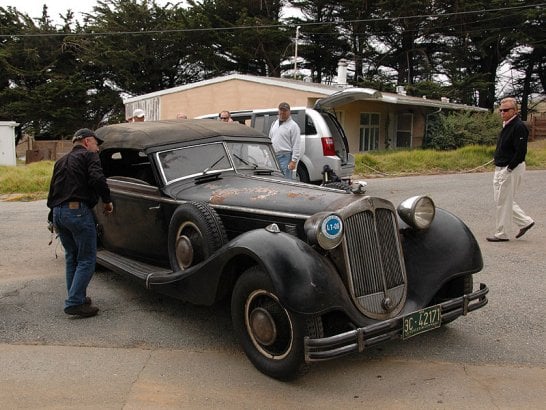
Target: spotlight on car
[(417, 211), (324, 229), (359, 187)]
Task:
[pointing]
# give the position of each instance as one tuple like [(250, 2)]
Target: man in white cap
[(138, 115), (285, 136)]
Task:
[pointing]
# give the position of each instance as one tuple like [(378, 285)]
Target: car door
[(137, 227)]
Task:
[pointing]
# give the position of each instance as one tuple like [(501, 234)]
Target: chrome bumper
[(359, 339)]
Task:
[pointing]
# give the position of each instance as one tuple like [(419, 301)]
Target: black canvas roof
[(147, 134)]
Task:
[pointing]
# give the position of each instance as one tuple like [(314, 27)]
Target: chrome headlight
[(324, 229), (417, 211)]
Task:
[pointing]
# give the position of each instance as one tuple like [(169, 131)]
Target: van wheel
[(195, 232), (301, 173)]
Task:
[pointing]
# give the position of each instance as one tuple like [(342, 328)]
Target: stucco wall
[(231, 95)]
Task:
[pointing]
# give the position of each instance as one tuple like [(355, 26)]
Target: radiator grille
[(375, 267)]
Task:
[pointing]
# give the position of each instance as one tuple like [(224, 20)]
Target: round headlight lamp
[(417, 211), (324, 229)]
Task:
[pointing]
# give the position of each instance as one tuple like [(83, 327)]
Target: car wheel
[(301, 173), (195, 232), (271, 335), (454, 289)]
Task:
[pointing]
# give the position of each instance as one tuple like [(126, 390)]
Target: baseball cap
[(138, 113), (84, 133), (284, 106)]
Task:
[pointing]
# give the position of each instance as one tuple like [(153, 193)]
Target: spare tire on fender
[(195, 232)]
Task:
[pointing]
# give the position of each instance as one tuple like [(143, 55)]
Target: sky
[(55, 7)]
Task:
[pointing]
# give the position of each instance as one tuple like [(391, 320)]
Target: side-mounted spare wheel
[(195, 232), (271, 335)]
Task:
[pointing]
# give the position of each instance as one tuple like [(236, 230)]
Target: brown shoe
[(495, 239), (82, 310), (88, 301), (523, 230)]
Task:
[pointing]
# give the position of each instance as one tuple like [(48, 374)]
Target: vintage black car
[(202, 213)]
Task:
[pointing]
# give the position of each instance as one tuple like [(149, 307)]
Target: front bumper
[(359, 339)]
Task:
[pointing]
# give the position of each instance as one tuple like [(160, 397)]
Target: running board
[(122, 264)]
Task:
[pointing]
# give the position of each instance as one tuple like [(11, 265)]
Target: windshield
[(206, 159), (252, 156), (193, 161)]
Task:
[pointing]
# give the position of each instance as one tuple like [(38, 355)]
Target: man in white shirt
[(285, 136)]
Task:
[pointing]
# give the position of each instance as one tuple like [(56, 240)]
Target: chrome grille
[(373, 258)]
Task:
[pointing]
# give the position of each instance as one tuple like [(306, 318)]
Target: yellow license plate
[(421, 321)]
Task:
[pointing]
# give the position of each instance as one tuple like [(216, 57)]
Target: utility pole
[(296, 52)]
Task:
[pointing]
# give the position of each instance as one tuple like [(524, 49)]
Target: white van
[(323, 140)]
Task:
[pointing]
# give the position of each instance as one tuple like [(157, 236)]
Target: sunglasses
[(505, 109)]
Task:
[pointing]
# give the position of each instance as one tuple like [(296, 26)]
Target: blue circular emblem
[(332, 226)]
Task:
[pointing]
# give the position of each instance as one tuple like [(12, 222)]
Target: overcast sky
[(55, 7)]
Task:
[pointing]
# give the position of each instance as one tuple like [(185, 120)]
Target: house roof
[(325, 89)]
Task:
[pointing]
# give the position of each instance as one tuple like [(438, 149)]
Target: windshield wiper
[(245, 161), (264, 171), (212, 166)]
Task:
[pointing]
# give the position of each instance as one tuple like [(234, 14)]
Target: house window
[(404, 130), (369, 131)]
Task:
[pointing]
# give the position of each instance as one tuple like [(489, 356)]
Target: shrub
[(458, 129)]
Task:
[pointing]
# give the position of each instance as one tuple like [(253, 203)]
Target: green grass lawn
[(31, 182)]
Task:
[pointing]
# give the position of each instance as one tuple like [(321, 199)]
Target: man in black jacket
[(509, 168), (76, 185)]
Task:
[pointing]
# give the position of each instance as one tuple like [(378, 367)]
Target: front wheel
[(458, 287), (271, 336)]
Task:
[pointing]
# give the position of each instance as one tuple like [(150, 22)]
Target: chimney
[(342, 72)]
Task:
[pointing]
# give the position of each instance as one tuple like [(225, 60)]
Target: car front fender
[(433, 257), (305, 281)]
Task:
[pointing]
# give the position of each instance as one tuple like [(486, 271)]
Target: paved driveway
[(148, 351)]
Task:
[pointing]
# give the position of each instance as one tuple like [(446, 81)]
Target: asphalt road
[(145, 350)]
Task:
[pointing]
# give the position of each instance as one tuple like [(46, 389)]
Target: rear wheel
[(301, 173), (271, 335)]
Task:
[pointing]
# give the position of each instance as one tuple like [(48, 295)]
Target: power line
[(255, 27)]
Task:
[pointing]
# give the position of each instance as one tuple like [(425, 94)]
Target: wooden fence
[(34, 151), (537, 128)]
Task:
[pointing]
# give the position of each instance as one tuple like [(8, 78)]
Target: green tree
[(246, 35), (478, 36), (320, 43), (47, 91), (144, 48)]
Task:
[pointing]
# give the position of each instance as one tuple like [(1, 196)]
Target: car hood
[(258, 193)]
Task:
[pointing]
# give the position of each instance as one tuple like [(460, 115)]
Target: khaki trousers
[(505, 187)]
